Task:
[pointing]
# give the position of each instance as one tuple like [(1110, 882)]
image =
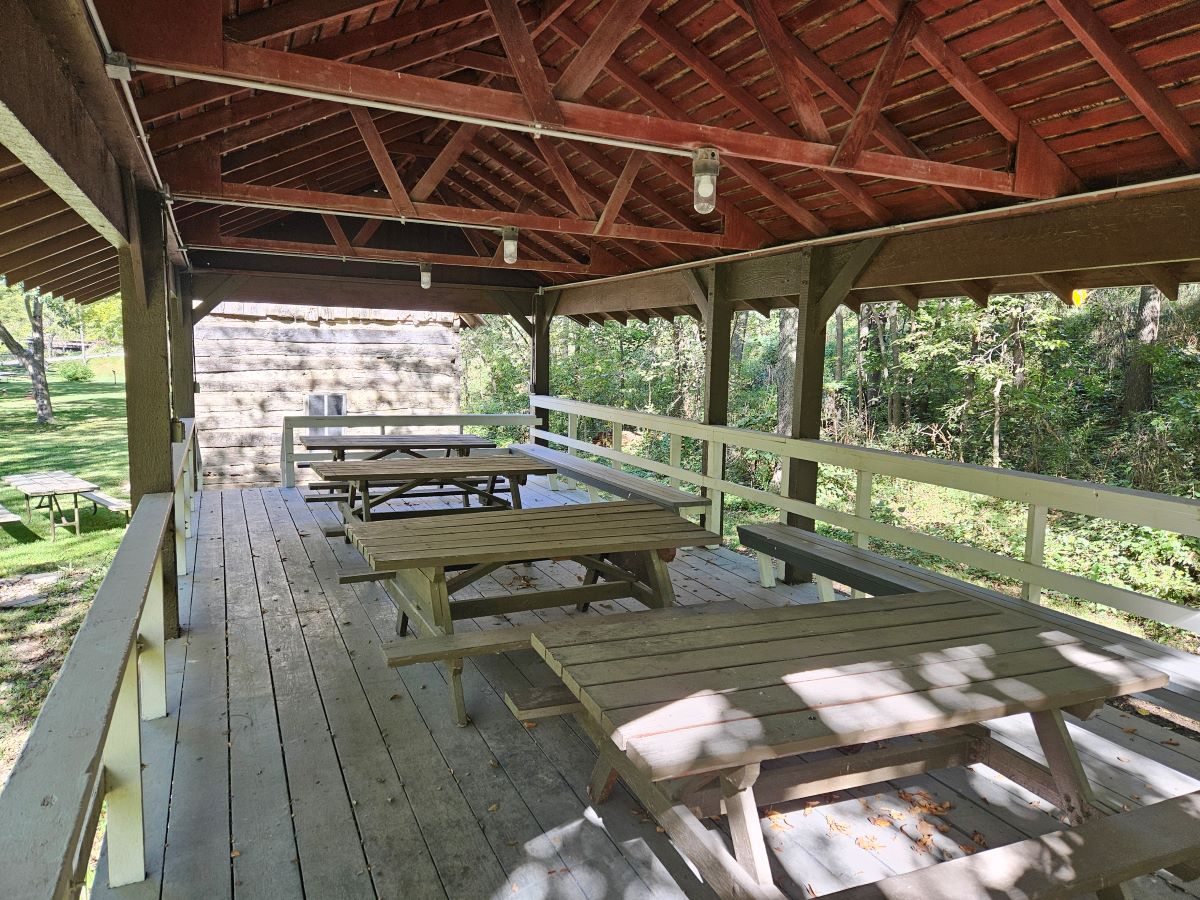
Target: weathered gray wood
[(542, 702), (1098, 854)]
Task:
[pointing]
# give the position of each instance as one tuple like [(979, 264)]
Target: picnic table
[(385, 445), (623, 543), (697, 714), (46, 488), (483, 477)]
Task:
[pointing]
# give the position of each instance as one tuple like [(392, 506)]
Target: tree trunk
[(33, 358), (860, 367), (785, 369), (839, 344), (996, 423), (1139, 375), (893, 364)]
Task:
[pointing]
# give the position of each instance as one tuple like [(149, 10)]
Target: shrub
[(75, 371)]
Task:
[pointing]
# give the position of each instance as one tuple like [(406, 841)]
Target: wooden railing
[(1038, 492), (289, 457), (84, 753)]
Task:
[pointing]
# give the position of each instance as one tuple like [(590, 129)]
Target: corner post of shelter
[(179, 321), (144, 305), (717, 310), (543, 315)]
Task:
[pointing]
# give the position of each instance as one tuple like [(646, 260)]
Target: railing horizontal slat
[(44, 806)]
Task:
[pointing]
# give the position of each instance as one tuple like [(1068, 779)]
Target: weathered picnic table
[(687, 710), (623, 543), (385, 445), (46, 488), (483, 477)]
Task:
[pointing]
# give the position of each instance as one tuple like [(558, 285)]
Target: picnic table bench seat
[(614, 481), (109, 502), (1098, 855), (7, 517), (879, 575)]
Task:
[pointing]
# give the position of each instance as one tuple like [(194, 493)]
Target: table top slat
[(446, 467), (40, 484)]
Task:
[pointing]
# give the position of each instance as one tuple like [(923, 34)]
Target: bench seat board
[(1098, 854), (614, 481)]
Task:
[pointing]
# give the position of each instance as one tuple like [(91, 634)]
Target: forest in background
[(1108, 391)]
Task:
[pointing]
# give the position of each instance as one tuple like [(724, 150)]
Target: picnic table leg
[(439, 598), (659, 579), (749, 848), (604, 777), (514, 488), (75, 501), (491, 490), (1078, 801), (590, 576)]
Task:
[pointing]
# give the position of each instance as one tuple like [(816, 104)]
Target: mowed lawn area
[(39, 616)]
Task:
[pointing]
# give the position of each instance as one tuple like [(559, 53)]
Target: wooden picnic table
[(623, 543), (385, 445), (687, 710), (47, 487), (484, 477)]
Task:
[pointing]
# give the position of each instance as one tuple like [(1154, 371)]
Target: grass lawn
[(87, 439)]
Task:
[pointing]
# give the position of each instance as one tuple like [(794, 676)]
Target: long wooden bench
[(614, 481), (109, 502), (7, 517), (878, 575), (1097, 856)]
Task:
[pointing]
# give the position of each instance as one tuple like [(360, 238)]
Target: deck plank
[(319, 726)]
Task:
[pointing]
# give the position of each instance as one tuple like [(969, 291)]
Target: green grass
[(87, 439)]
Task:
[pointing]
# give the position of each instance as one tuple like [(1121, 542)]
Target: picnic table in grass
[(485, 477), (47, 488), (707, 715), (385, 445), (623, 543)]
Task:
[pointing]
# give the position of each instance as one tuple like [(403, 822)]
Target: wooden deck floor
[(294, 763)]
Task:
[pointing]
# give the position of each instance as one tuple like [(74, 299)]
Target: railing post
[(287, 469), (1035, 549), (676, 457), (180, 511), (714, 519), (617, 434), (122, 760), (573, 434), (862, 509), (152, 650)]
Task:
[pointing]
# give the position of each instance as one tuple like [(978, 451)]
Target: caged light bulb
[(426, 275), (509, 236)]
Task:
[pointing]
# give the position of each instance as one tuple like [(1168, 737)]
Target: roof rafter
[(789, 72), (383, 160), (620, 190), (527, 65), (592, 56)]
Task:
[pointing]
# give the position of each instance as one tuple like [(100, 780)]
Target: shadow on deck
[(295, 763)]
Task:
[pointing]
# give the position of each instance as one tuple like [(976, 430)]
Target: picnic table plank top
[(516, 534), (451, 441), (687, 696), (446, 467), (41, 484)]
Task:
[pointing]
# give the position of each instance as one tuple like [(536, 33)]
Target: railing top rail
[(43, 806), (179, 450), (1120, 504)]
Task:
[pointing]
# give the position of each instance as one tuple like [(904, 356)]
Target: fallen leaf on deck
[(235, 854), (493, 807), (530, 724), (881, 821), (978, 838), (778, 820), (836, 827), (867, 842), (1129, 730), (967, 848), (1170, 742)]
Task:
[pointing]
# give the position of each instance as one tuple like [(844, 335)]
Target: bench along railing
[(84, 753), (1038, 492), (289, 458)]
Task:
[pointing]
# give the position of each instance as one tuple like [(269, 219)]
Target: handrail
[(1039, 492), (85, 748), (288, 457)]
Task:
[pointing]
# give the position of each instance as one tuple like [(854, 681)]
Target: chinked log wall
[(255, 364)]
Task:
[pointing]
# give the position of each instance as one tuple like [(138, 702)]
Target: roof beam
[(383, 160), (565, 178), (620, 190), (870, 104), (1165, 278), (973, 88), (283, 19), (1121, 67), (695, 58), (46, 125), (444, 161), (527, 65), (847, 98), (274, 70), (591, 58), (788, 71)]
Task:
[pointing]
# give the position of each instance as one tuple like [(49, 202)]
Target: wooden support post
[(718, 332), (543, 315), (862, 509), (287, 455), (1035, 548), (676, 457), (122, 762), (1075, 791), (749, 848), (183, 372), (573, 434), (147, 375)]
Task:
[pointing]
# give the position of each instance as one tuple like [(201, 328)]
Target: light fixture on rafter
[(706, 164), (426, 275), (508, 234)]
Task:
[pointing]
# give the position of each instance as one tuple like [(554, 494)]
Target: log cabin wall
[(257, 363)]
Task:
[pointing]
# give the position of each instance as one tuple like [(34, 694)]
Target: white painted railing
[(84, 752), (289, 457), (1038, 492)]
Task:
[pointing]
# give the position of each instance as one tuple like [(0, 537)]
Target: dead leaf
[(493, 807), (778, 820), (978, 838), (968, 849), (1170, 742), (235, 854), (1129, 730), (880, 821), (925, 828), (836, 827), (868, 842), (529, 725)]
